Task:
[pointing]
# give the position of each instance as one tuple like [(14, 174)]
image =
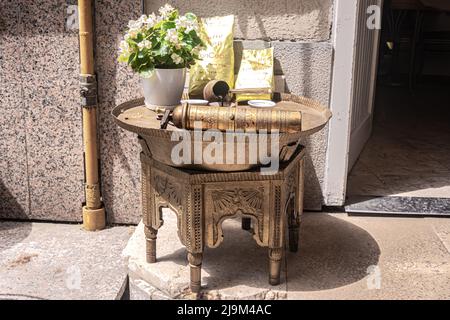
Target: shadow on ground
[(332, 253), (11, 232)]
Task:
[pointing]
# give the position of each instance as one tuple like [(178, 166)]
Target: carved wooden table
[(202, 200)]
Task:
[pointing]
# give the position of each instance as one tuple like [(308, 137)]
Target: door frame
[(341, 100)]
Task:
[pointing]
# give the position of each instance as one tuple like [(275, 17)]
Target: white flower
[(176, 58), (196, 50), (172, 37), (142, 18), (145, 44), (151, 20), (166, 10), (188, 24), (124, 47), (192, 26), (131, 34), (131, 24), (181, 22), (135, 25)]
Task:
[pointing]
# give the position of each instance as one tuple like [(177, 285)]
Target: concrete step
[(61, 261)]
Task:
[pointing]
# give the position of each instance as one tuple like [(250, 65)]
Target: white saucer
[(198, 102), (261, 103)]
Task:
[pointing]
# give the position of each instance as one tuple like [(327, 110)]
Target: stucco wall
[(307, 20), (41, 165)]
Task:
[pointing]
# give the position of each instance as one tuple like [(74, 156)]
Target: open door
[(364, 80), (404, 168), (352, 91)]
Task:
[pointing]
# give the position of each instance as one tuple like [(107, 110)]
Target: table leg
[(150, 243), (293, 236), (294, 214), (292, 218), (275, 255), (195, 264)]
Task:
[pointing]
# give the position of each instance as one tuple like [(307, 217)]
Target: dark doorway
[(405, 165)]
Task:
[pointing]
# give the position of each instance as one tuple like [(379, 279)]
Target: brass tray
[(135, 117)]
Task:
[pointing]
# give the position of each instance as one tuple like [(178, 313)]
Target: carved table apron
[(202, 200)]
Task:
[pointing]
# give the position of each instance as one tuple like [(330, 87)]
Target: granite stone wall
[(119, 150), (41, 154), (41, 164), (41, 159)]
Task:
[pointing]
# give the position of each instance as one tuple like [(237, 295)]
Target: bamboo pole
[(93, 211)]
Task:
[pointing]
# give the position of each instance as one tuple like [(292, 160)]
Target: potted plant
[(160, 48)]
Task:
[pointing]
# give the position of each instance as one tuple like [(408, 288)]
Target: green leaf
[(131, 57), (190, 16), (168, 25), (123, 58), (175, 14), (146, 73), (159, 55), (163, 50)]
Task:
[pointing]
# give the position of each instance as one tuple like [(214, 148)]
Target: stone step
[(61, 261)]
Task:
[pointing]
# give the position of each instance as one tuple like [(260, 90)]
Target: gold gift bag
[(217, 59), (256, 71)]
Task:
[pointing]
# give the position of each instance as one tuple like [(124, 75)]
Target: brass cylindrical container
[(240, 118), (215, 90)]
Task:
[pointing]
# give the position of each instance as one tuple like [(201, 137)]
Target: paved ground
[(345, 257), (408, 153), (340, 257), (61, 261)]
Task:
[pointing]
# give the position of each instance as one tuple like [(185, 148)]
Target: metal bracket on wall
[(88, 90)]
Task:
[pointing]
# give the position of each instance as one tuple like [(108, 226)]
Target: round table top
[(136, 117)]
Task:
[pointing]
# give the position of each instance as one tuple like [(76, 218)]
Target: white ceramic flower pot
[(164, 88)]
